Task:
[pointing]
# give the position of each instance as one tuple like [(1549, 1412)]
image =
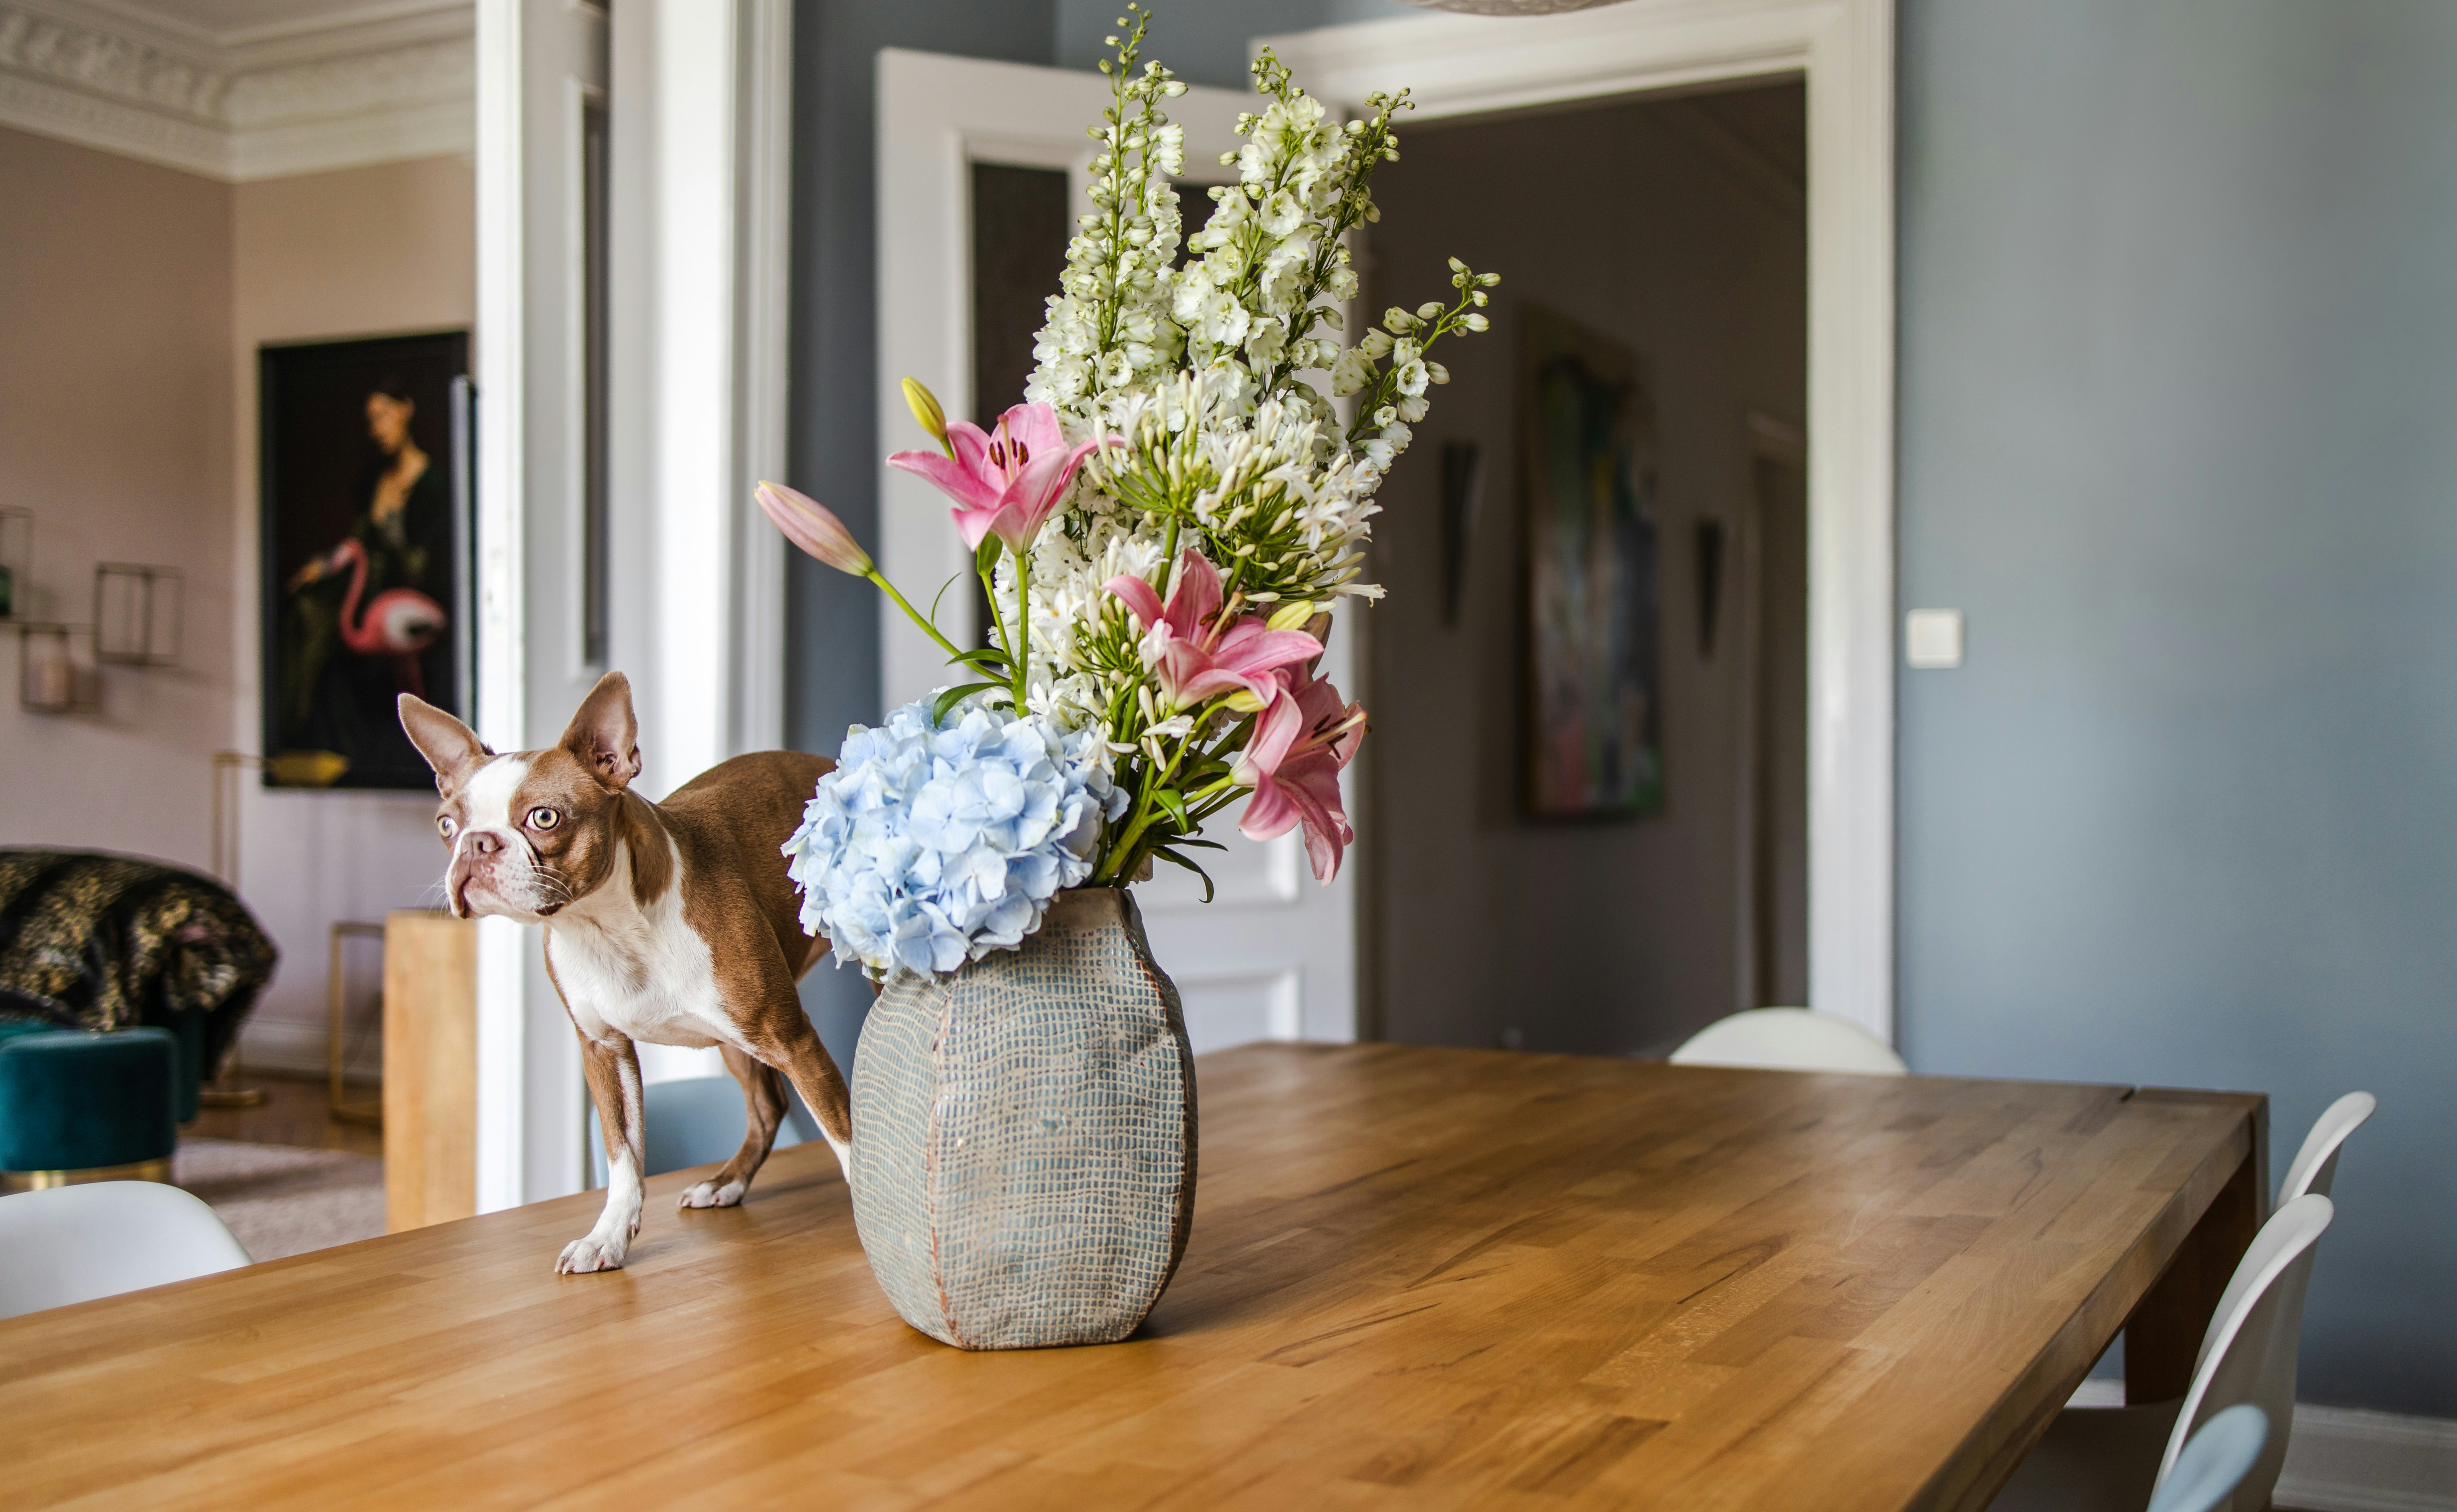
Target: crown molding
[(355, 85)]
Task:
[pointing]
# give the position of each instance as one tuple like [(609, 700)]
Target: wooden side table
[(336, 1097)]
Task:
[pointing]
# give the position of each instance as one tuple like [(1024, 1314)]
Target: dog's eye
[(544, 818), (443, 824)]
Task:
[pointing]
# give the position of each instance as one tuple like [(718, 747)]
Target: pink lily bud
[(813, 526)]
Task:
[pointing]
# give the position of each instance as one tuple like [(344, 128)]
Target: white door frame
[(1459, 66), (702, 111)]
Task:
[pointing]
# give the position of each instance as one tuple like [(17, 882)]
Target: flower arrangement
[(1165, 527)]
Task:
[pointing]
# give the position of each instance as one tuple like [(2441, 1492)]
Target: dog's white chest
[(641, 972)]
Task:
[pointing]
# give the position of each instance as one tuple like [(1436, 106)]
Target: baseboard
[(275, 1045), (2099, 1391), (2348, 1460)]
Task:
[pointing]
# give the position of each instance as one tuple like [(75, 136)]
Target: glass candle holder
[(48, 679)]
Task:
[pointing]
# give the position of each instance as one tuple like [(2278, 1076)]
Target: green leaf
[(1172, 800), (988, 659), (986, 554), (942, 593), (1175, 859), (1190, 840), (956, 695)]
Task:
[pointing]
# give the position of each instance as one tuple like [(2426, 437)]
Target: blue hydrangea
[(935, 842)]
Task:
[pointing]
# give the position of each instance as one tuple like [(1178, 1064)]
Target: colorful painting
[(1594, 741), (365, 555)]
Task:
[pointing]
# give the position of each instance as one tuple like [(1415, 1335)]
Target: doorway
[(1662, 242)]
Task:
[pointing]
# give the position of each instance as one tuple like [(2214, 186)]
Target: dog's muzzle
[(490, 862)]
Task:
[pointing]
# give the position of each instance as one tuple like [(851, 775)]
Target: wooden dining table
[(1417, 1278)]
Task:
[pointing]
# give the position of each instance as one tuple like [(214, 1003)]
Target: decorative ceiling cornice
[(355, 85)]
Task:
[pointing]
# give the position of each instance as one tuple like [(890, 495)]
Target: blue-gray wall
[(2179, 292), (1205, 41)]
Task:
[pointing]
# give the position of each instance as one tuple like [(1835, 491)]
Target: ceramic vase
[(1024, 1143)]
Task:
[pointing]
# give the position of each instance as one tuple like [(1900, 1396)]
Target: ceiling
[(229, 22)]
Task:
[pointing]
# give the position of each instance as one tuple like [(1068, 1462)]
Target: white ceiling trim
[(353, 86)]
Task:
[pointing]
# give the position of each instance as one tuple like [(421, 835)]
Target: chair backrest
[(72, 1244), (2250, 1351), (1790, 1040), (2215, 1462), (692, 1120), (2316, 1164)]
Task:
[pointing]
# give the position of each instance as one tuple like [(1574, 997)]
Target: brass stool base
[(14, 1181)]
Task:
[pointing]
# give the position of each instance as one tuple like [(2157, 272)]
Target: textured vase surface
[(1023, 1135)]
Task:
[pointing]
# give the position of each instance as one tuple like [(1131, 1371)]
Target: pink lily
[(1004, 482), (1194, 649), (813, 526), (1304, 739)]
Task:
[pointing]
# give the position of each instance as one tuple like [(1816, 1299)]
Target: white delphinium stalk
[(1212, 390), (1110, 327)]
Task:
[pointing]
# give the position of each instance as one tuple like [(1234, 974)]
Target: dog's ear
[(604, 734), (450, 747)]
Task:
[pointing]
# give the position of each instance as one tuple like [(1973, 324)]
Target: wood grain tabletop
[(1418, 1279)]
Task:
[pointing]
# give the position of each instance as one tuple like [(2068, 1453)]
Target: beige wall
[(1610, 936), (133, 299), (115, 431), (361, 252)]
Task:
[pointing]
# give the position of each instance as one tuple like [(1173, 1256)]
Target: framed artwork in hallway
[(1593, 739), (365, 554)]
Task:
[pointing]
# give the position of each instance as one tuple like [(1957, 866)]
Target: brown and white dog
[(674, 924)]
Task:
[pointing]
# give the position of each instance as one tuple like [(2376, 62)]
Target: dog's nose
[(486, 843)]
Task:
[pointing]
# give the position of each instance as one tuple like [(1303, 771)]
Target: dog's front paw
[(591, 1253), (708, 1194)]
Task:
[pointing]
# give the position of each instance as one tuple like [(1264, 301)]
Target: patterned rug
[(280, 1200)]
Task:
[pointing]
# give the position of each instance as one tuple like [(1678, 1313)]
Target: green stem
[(1019, 648), (912, 613), (998, 621), (1144, 815)]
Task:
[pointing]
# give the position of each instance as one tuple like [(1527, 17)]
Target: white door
[(1273, 955)]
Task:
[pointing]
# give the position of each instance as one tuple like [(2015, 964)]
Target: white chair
[(1790, 1040), (2119, 1457), (693, 1121), (72, 1244), (2215, 1462), (2316, 1164)]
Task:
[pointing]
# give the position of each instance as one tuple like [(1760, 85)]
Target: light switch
[(1932, 637)]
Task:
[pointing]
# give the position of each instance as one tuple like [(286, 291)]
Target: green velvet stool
[(79, 1107)]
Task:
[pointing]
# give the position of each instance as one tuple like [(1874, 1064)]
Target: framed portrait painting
[(1594, 737), (366, 552)]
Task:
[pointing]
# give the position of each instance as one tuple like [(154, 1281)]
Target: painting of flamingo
[(365, 549), (398, 622)]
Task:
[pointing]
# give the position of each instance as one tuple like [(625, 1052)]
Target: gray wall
[(1611, 936), (1205, 41), (2178, 360)]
